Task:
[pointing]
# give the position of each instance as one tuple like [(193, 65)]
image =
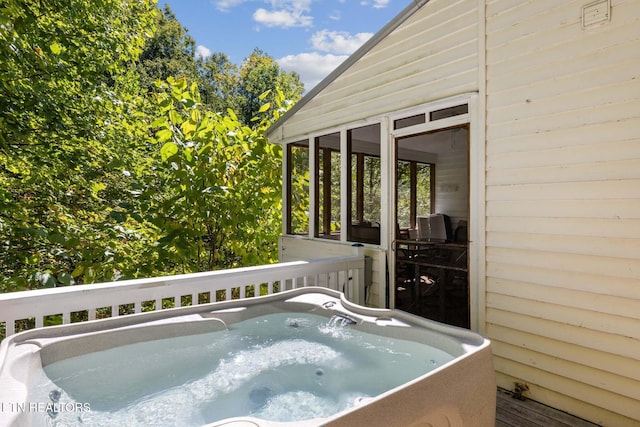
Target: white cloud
[(312, 67), (281, 13), (225, 5), (376, 4), (335, 15), (285, 14), (202, 51), (331, 48), (338, 41), (282, 18)]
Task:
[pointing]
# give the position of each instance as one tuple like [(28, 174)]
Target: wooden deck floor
[(512, 412)]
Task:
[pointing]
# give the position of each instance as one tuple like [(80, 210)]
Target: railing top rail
[(235, 276), (19, 309)]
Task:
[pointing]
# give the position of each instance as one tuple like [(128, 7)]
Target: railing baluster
[(333, 273), (348, 286), (344, 283)]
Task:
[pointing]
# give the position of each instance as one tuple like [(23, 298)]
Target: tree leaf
[(188, 127), (168, 150), (164, 135), (97, 187), (263, 95), (118, 216), (78, 271), (65, 279), (55, 48), (175, 117)]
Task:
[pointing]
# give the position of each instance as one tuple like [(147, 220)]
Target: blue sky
[(310, 37)]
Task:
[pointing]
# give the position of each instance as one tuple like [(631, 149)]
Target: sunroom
[(399, 184)]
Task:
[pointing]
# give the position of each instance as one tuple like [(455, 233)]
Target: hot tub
[(304, 357)]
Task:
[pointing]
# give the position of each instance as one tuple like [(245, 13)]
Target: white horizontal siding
[(606, 310), (621, 368), (563, 205), (620, 248), (575, 140), (432, 55), (615, 209), (608, 228), (510, 265)]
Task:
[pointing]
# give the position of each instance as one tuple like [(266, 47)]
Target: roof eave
[(366, 47)]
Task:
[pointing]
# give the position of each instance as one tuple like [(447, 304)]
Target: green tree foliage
[(258, 74), (222, 84), (422, 186), (218, 82), (50, 91), (221, 201), (102, 179), (68, 114), (169, 53), (300, 209)]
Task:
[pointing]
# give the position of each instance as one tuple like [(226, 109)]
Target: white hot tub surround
[(305, 357)]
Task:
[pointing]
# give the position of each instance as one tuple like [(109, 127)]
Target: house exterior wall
[(558, 177), (432, 55), (563, 205)]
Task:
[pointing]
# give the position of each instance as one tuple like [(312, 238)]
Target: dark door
[(432, 212)]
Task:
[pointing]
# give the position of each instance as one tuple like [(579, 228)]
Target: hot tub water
[(279, 367)]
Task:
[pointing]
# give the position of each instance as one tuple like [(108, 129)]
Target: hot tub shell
[(459, 393)]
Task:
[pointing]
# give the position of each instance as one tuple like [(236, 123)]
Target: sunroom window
[(327, 207), (415, 192), (364, 180), (298, 206)]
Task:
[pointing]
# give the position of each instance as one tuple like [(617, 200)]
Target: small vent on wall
[(596, 13)]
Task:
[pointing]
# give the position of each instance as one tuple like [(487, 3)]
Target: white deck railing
[(345, 274)]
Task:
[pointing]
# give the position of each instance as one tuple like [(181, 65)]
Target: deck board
[(512, 412)]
